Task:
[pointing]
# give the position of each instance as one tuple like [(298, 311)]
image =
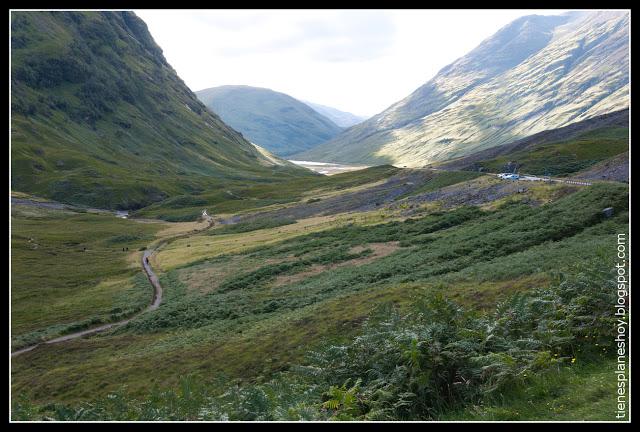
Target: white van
[(504, 175)]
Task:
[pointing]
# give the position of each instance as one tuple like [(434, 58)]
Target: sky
[(360, 61)]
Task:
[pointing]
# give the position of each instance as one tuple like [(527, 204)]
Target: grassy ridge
[(564, 157)]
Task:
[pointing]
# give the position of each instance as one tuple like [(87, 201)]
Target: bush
[(437, 359), (252, 226)]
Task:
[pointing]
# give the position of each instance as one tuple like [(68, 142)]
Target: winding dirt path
[(155, 303)]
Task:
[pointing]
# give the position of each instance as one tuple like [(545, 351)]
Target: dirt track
[(155, 303)]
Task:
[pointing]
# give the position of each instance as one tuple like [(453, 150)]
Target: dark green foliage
[(436, 360), (189, 217), (440, 357), (251, 226), (266, 273), (184, 201), (435, 246)]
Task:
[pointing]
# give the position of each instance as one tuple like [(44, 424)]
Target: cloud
[(350, 37), (333, 36), (355, 60)]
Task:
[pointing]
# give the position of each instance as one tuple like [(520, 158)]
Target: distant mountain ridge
[(98, 117), (536, 73), (276, 121), (341, 118)]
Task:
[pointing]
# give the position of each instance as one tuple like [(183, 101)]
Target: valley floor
[(275, 290)]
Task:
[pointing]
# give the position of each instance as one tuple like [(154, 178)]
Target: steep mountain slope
[(554, 152), (273, 120), (100, 118), (537, 73), (341, 118)]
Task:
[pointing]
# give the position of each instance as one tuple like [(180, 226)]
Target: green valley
[(167, 265), (254, 311)]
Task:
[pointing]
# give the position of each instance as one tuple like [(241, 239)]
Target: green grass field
[(251, 314), (581, 392), (69, 270)]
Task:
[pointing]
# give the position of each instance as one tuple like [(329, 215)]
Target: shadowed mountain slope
[(100, 118)]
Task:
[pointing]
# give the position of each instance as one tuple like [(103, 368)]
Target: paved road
[(527, 177), (155, 303)]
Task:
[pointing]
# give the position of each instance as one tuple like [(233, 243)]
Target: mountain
[(341, 118), (273, 120), (100, 118), (562, 151), (536, 73)]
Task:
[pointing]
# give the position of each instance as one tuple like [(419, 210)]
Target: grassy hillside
[(248, 196), (235, 322), (565, 157), (561, 158), (100, 118), (273, 120), (557, 152)]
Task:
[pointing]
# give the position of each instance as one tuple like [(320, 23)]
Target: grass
[(251, 226), (540, 386), (564, 157), (69, 270), (258, 328), (443, 179), (584, 392), (213, 243), (99, 118), (249, 196)]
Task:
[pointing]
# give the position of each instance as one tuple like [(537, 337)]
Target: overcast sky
[(359, 61)]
